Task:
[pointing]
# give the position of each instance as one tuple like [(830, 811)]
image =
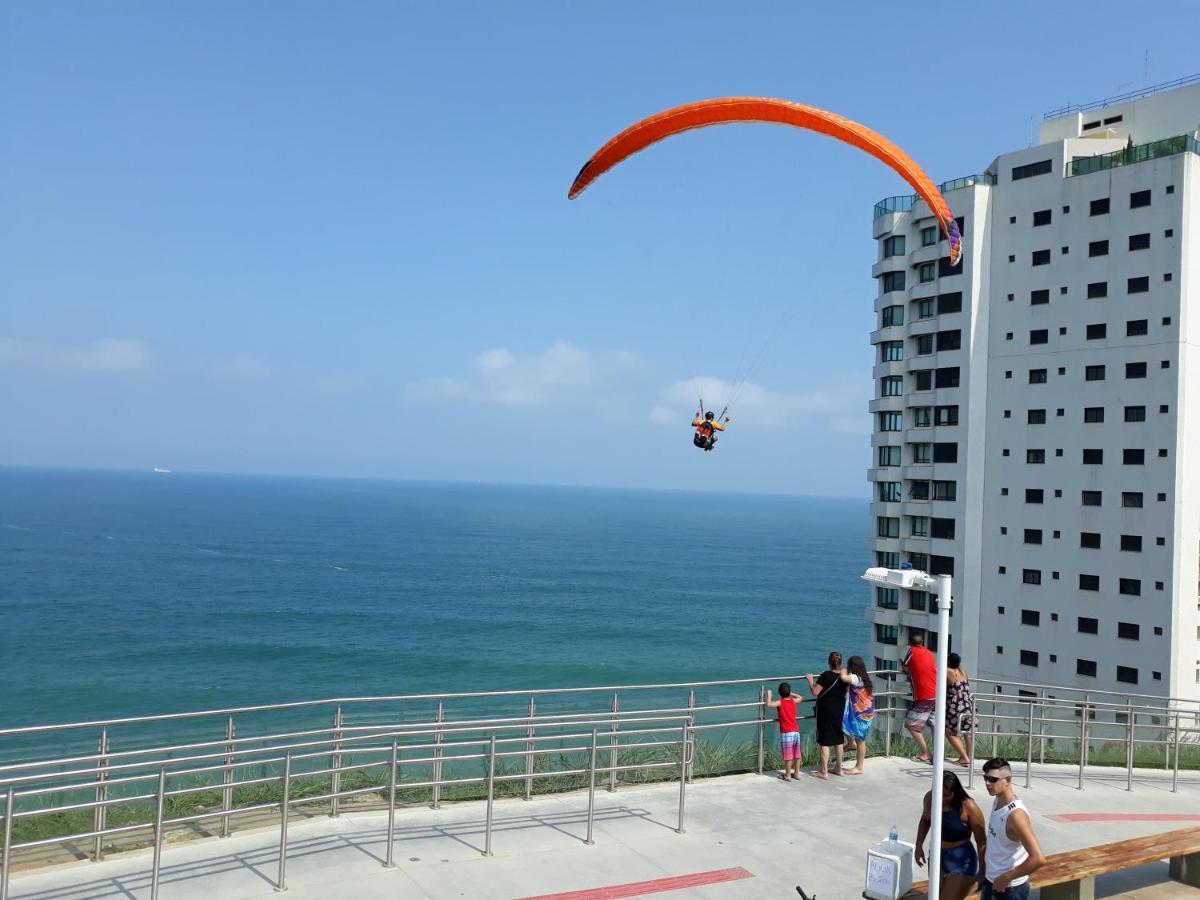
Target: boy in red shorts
[(789, 731)]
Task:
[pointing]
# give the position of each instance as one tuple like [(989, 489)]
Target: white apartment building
[(1037, 408)]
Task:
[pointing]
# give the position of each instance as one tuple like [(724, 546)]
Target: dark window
[(949, 340), (942, 528), (945, 453), (1097, 331), (1099, 207), (1040, 258), (893, 281), (1093, 414), (1137, 327), (1031, 576), (1093, 457), (1039, 336), (1029, 658), (945, 415), (1131, 543), (1126, 674), (1037, 376), (1139, 241), (1097, 289), (1035, 417), (1038, 298), (1098, 248), (1089, 582), (1131, 587), (891, 315), (1133, 457), (1131, 499), (891, 386), (1091, 498), (1041, 217), (924, 344), (1041, 167), (1035, 457), (945, 270), (1138, 285), (923, 380), (1088, 625), (1138, 199), (945, 490), (949, 303), (1034, 495), (1089, 540), (947, 377), (1135, 370), (1082, 666), (893, 246), (941, 565), (1033, 535), (1135, 414), (1093, 373), (1031, 617)]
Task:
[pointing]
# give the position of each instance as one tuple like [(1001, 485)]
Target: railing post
[(438, 735), (691, 770), (1087, 702), (762, 728), (971, 755), (158, 834), (390, 863), (683, 768), (995, 727), (887, 718), (491, 795), (1175, 771), (101, 818), (1042, 729), (6, 860), (529, 746), (1083, 730), (281, 882), (227, 778), (591, 790), (335, 781), (1029, 746), (1129, 730), (612, 752)]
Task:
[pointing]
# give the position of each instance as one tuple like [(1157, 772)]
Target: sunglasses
[(992, 779)]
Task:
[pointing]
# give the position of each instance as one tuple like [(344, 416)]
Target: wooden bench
[(1072, 875)]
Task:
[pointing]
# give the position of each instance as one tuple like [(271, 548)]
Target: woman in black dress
[(830, 691)]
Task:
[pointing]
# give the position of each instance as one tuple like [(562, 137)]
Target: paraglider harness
[(705, 436)]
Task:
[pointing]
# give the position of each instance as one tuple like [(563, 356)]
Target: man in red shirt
[(921, 667)]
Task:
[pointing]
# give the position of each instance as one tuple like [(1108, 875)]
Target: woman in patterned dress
[(960, 710)]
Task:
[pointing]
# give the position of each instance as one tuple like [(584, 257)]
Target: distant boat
[(158, 471)]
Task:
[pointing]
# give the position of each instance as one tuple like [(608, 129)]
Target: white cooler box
[(889, 870)]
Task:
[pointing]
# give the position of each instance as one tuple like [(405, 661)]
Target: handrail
[(1121, 98)]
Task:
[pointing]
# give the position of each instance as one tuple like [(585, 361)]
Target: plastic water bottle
[(893, 835)]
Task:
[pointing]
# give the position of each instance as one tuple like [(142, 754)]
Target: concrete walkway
[(746, 836)]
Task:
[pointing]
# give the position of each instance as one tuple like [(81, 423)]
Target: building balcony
[(886, 404), (1182, 143), (892, 367), (881, 616), (889, 264)]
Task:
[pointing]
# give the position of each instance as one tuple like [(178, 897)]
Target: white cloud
[(835, 406), (556, 375), (103, 355)]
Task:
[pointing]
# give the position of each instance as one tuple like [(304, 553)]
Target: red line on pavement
[(641, 888), (1126, 817)]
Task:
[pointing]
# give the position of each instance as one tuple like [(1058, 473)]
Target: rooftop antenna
[(1146, 70)]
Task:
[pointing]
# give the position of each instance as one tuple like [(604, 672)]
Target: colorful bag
[(859, 713)]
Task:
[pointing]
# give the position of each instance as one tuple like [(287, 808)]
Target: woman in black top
[(830, 691)]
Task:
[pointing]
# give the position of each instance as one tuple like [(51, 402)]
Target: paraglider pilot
[(706, 428)]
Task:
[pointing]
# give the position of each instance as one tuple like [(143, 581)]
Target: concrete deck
[(810, 833)]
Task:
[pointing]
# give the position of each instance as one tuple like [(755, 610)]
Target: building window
[(1037, 376), (1088, 626), (891, 421), (888, 559), (889, 457), (924, 344), (1034, 495), (1138, 285), (893, 246), (1031, 617), (885, 665), (949, 340), (1093, 457), (918, 600), (1035, 457), (1133, 457), (887, 527), (1139, 241), (925, 308), (1089, 540), (922, 454), (1097, 332), (1131, 543), (889, 491), (1033, 535), (923, 380), (945, 453), (1091, 498), (929, 236), (1098, 248), (1093, 414), (1137, 327), (891, 386), (1139, 199), (1040, 258), (1041, 217), (891, 315), (893, 281), (941, 565), (1039, 336), (1097, 289), (1127, 675), (922, 416), (918, 490), (919, 561), (926, 272), (891, 351), (887, 598), (947, 377), (1031, 576), (1089, 582), (949, 303), (945, 270), (945, 490), (1039, 298), (1041, 167), (918, 526), (1035, 417), (1135, 414), (1093, 373), (943, 529), (886, 634), (1131, 499), (946, 415), (1135, 370), (1131, 587), (1085, 667), (1029, 658), (1098, 207)]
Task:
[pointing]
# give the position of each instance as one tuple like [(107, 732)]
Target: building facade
[(1037, 408)]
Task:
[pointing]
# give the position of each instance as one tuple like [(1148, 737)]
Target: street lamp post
[(913, 580)]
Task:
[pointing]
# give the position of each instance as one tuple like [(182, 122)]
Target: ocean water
[(133, 593)]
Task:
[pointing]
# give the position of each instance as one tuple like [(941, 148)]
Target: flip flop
[(921, 759)]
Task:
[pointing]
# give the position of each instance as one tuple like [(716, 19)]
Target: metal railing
[(139, 778), (905, 202), (1121, 98), (1180, 143)]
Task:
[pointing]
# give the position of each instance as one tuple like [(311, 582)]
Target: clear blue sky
[(328, 238)]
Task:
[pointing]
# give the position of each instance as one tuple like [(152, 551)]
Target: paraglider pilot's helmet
[(708, 417)]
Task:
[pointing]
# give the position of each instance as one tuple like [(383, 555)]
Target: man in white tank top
[(1013, 852)]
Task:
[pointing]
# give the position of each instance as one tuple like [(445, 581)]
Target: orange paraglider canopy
[(726, 110)]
